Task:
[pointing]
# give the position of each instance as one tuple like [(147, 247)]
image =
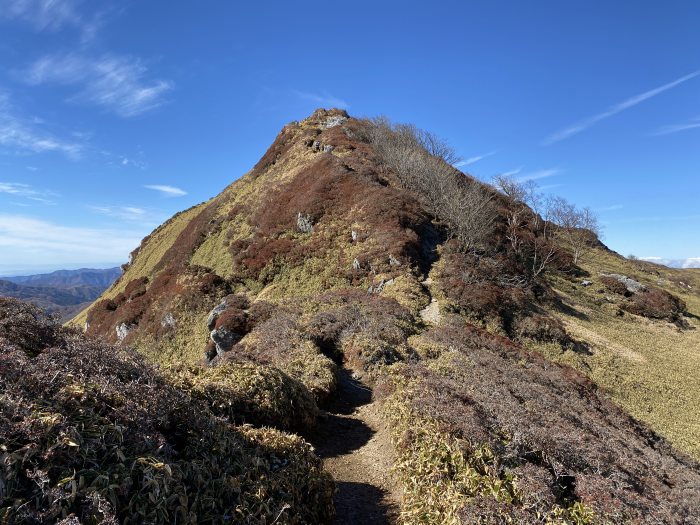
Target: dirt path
[(431, 313), (357, 451)]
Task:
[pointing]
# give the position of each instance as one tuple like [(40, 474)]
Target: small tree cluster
[(538, 226), (424, 164), (528, 223), (578, 228)]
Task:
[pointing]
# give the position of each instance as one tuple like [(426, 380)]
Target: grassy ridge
[(650, 367)]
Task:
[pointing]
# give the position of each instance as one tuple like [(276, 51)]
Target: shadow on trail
[(339, 433), (361, 504)]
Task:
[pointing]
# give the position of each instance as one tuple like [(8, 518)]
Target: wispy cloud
[(117, 83), (473, 160), (512, 173), (28, 237), (25, 191), (322, 99), (42, 14), (675, 128), (127, 213), (131, 214), (166, 191), (54, 15), (539, 174), (23, 135), (617, 108)]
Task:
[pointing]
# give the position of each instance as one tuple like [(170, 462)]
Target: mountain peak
[(355, 256)]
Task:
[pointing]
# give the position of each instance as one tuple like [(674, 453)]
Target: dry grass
[(650, 367), (92, 434)]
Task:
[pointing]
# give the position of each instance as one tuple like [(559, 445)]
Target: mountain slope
[(343, 253)]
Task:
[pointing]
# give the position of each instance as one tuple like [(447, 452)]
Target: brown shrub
[(615, 286), (234, 320), (543, 328), (27, 326), (546, 425), (656, 303)]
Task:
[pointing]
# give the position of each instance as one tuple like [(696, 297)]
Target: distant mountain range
[(64, 292), (690, 262)]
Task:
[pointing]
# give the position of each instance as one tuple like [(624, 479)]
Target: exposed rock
[(304, 223), (123, 330), (586, 283), (168, 321), (215, 313), (356, 264), (327, 148), (224, 339), (393, 261), (378, 288), (335, 120), (631, 285), (353, 236)]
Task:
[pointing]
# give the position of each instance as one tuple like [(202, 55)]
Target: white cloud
[(18, 189), (117, 83), (323, 99), (675, 128), (473, 160), (55, 15), (166, 191), (23, 240), (42, 14), (512, 173), (537, 175), (23, 135), (690, 262), (625, 104), (130, 213)]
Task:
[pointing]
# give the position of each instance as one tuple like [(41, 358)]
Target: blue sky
[(115, 115)]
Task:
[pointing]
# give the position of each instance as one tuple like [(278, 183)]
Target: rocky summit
[(357, 332)]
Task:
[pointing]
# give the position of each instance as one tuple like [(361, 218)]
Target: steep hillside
[(353, 269)]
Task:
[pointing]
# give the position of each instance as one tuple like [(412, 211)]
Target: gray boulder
[(123, 330), (631, 285), (335, 120), (168, 321), (304, 223), (215, 313), (224, 339)]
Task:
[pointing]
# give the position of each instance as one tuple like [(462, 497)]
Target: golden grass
[(651, 368)]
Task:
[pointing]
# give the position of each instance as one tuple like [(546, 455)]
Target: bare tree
[(424, 164), (528, 226), (578, 228)]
